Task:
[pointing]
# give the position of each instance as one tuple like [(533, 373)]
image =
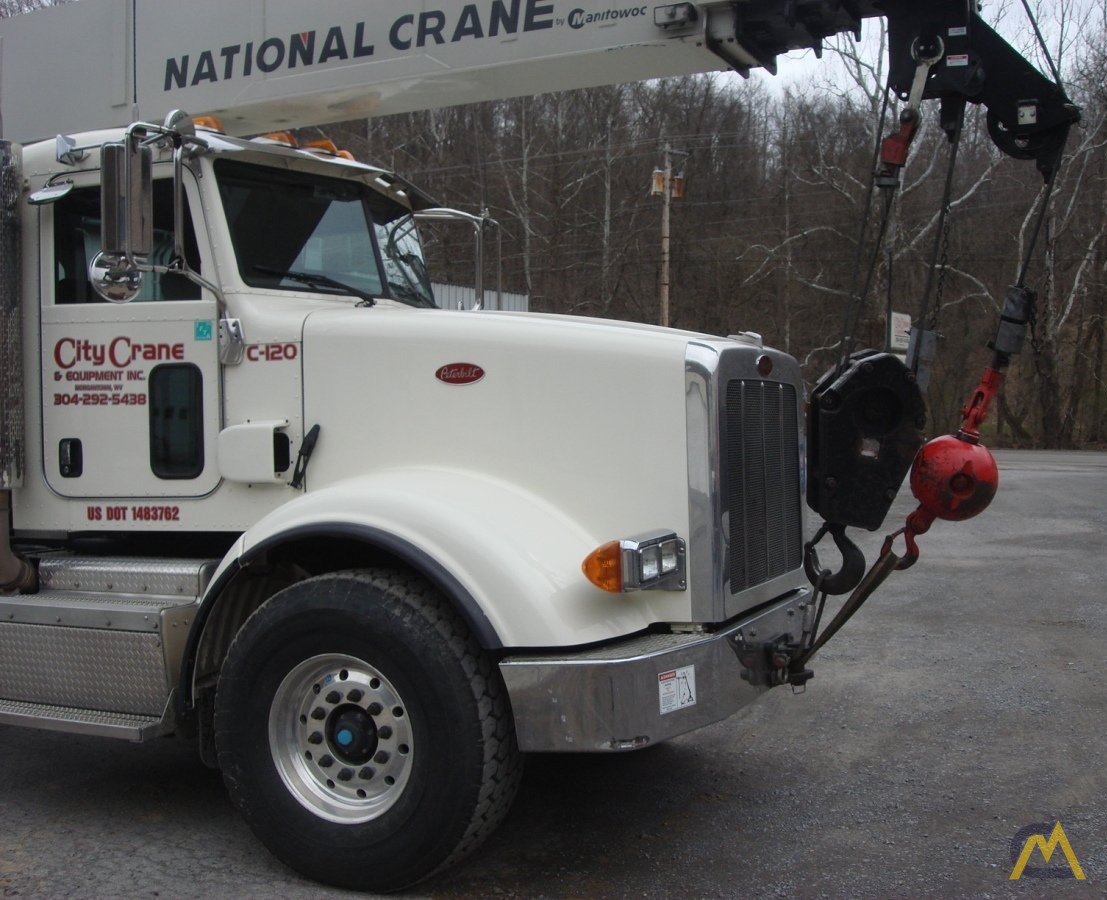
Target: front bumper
[(645, 689)]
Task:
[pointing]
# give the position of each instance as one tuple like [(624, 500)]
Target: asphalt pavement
[(959, 714)]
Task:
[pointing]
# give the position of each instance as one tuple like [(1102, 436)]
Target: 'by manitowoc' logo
[(578, 18), (1032, 838)]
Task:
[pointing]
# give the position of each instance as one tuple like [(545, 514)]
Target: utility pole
[(666, 191), (666, 199)]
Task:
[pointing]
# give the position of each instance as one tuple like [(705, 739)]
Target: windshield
[(404, 269), (296, 231)]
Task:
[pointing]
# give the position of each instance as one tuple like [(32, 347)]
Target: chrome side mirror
[(114, 279), (126, 219), (126, 199), (50, 194)]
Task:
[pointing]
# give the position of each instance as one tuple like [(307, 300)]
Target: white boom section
[(265, 65), (262, 65)]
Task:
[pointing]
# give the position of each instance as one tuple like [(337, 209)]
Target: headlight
[(654, 561)]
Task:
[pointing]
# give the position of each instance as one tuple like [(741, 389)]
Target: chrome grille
[(762, 481)]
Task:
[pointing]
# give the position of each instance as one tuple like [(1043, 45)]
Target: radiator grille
[(761, 466)]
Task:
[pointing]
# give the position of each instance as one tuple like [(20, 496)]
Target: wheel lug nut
[(381, 757), (319, 714), (366, 773), (333, 697), (315, 737), (354, 696), (345, 774), (375, 709), (385, 732), (326, 761)]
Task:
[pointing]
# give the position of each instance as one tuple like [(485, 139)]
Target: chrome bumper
[(637, 692)]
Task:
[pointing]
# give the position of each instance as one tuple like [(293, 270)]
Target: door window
[(77, 241)]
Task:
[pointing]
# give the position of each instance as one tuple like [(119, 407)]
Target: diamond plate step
[(97, 650), (120, 612), (182, 578), (81, 721), (85, 668)]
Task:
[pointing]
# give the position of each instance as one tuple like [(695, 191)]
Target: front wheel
[(363, 734)]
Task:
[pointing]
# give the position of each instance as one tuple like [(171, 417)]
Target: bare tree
[(9, 8), (766, 238)]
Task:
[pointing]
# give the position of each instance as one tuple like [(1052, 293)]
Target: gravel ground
[(958, 709)]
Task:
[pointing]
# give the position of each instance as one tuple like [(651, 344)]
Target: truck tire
[(363, 734)]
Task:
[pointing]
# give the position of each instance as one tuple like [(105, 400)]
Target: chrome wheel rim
[(340, 737)]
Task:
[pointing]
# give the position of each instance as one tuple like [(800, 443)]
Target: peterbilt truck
[(265, 495)]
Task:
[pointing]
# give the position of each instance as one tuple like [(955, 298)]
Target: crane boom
[(271, 64)]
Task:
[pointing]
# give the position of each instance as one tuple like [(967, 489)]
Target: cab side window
[(77, 241)]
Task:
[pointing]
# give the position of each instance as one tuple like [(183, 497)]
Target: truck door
[(130, 405)]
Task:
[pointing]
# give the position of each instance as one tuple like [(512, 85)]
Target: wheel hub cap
[(352, 734), (340, 738)]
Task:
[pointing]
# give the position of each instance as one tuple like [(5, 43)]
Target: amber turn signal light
[(604, 567), (211, 123)]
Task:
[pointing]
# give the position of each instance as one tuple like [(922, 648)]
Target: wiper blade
[(318, 279), (399, 291)]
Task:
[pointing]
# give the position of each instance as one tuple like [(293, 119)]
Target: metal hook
[(853, 562), (911, 556)]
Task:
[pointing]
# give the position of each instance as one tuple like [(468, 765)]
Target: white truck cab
[(265, 493)]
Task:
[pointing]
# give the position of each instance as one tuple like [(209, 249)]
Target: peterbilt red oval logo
[(459, 373)]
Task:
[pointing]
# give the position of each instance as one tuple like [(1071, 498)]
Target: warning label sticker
[(676, 689)]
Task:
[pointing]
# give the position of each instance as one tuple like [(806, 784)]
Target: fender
[(507, 559)]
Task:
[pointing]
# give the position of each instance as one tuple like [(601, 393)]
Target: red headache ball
[(954, 479)]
